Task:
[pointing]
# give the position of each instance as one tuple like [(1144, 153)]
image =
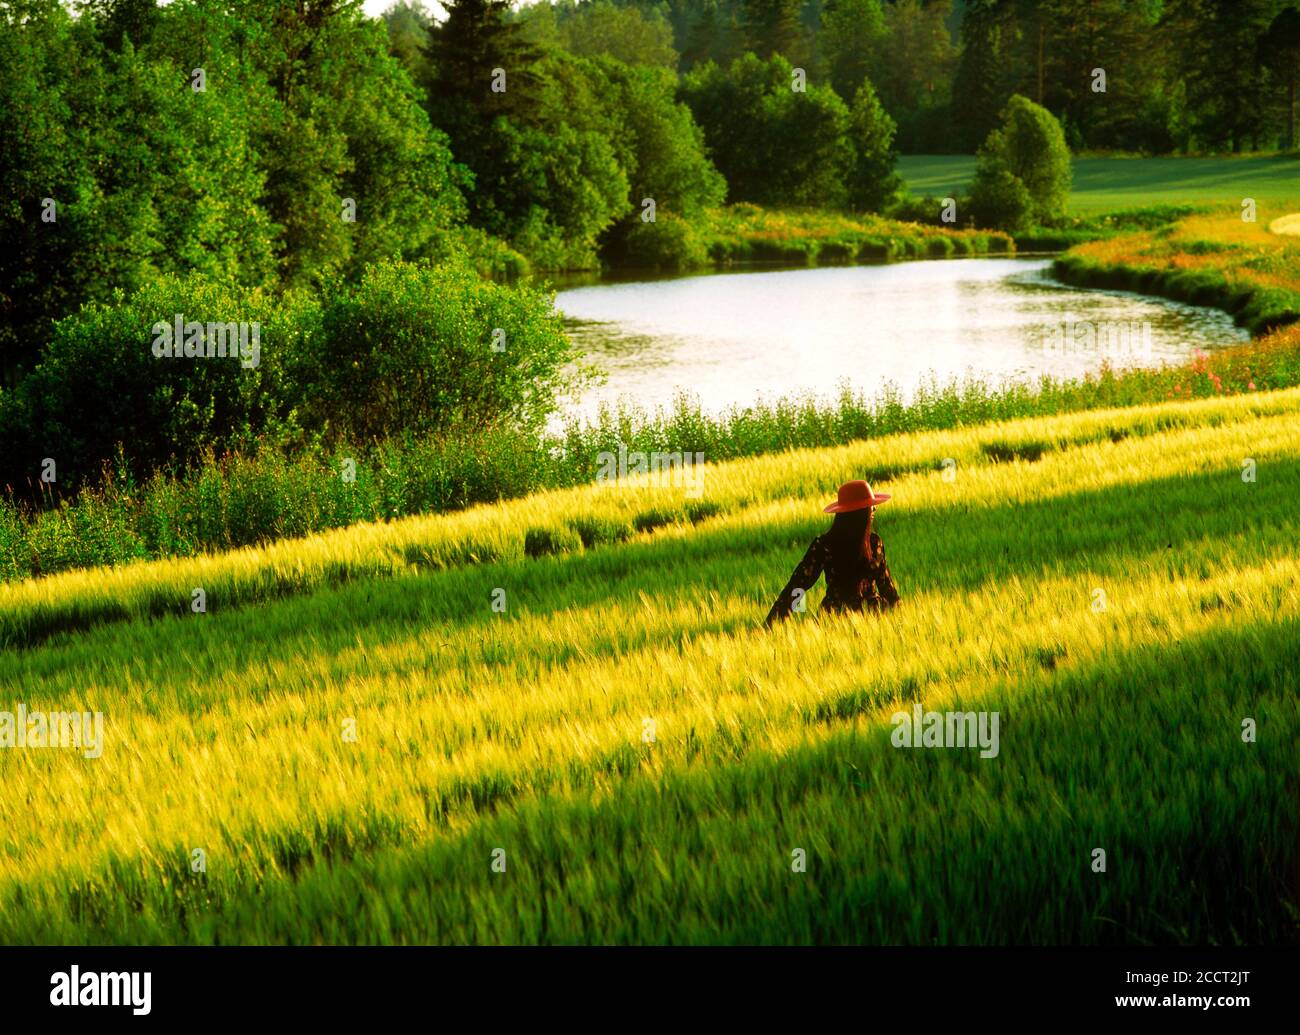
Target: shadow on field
[(1139, 754), (1189, 523)]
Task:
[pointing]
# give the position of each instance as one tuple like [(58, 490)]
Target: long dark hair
[(850, 535)]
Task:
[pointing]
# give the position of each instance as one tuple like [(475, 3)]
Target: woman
[(851, 554)]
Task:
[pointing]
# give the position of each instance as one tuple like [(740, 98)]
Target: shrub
[(159, 410), (432, 351), (669, 243), (1002, 200), (489, 256)]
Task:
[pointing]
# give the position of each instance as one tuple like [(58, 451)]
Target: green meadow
[(344, 635), (1104, 185), (558, 719)]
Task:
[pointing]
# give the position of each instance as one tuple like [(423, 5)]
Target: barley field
[(560, 719)]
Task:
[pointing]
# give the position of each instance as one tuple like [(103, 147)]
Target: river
[(732, 338)]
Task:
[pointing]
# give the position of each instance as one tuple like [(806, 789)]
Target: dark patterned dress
[(863, 585)]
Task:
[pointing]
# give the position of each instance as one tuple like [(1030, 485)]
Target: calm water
[(734, 337)]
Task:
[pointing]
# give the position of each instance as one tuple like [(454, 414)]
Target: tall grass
[(569, 519), (522, 730), (246, 500)]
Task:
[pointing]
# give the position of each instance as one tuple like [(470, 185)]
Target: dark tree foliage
[(1280, 53), (221, 140), (469, 52), (774, 144)]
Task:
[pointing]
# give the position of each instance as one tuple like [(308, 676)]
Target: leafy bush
[(430, 351), (487, 255), (159, 409), (669, 243), (1001, 199)]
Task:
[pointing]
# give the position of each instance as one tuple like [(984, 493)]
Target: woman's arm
[(805, 576), (883, 580)]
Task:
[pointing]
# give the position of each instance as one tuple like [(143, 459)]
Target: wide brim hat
[(855, 495)]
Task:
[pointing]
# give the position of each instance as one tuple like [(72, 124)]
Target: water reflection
[(732, 338)]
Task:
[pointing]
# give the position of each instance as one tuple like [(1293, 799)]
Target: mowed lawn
[(623, 754), (1111, 184)]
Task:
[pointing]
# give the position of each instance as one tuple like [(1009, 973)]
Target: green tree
[(981, 82), (627, 33), (772, 27), (409, 25), (1022, 175), (851, 36), (871, 181), (913, 72), (345, 123), (205, 196), (1222, 64), (1281, 53), (73, 225), (1073, 44), (773, 144), (662, 149), (548, 178), (484, 65), (533, 130), (708, 30), (116, 20)]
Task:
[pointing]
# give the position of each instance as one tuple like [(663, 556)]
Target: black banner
[(163, 985)]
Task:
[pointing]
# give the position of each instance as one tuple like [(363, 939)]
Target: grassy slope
[(523, 731), (1113, 184)]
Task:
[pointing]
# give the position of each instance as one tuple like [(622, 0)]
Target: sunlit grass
[(1244, 253), (523, 730), (744, 232), (1104, 184), (591, 515)]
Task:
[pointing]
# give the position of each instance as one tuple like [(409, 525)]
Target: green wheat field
[(354, 744)]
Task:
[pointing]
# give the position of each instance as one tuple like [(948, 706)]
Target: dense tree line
[(226, 140), (273, 151), (1180, 75), (229, 137)]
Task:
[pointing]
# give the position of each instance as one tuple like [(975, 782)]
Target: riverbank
[(1212, 259), (253, 499), (747, 234)]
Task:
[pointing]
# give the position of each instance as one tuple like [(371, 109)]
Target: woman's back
[(851, 555)]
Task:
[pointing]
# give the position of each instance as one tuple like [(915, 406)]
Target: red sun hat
[(855, 495)]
